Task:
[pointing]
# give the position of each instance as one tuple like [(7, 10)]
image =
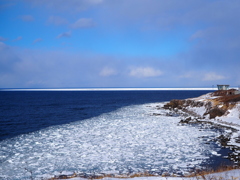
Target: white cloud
[(188, 75), (95, 1), (145, 72), (37, 40), (212, 76), (6, 6), (64, 5), (3, 39), (197, 35), (65, 34), (27, 18), (56, 20), (18, 38), (207, 33), (83, 23), (2, 44), (107, 71)]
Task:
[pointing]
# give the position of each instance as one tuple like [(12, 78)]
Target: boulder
[(214, 112)]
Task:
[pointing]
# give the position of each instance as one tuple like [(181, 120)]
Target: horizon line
[(101, 89)]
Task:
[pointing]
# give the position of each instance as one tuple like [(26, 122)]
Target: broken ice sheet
[(126, 140)]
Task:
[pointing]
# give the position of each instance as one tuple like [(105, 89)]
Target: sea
[(44, 134)]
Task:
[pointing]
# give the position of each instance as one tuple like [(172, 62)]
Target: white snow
[(233, 115), (230, 119), (198, 110), (129, 139)]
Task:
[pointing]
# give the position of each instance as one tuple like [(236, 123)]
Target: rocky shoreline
[(220, 109), (204, 110)]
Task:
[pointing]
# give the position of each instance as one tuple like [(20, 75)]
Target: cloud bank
[(107, 71), (35, 68), (83, 23), (37, 40), (27, 18), (65, 34), (145, 72), (56, 20), (120, 43)]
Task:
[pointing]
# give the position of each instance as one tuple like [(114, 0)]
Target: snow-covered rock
[(219, 108)]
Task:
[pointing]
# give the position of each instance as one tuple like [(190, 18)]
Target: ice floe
[(128, 140)]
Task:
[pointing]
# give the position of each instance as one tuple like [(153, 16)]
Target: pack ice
[(128, 140)]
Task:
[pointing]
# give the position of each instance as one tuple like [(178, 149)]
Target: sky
[(119, 43)]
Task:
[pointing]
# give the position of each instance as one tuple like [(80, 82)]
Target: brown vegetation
[(101, 176), (175, 103), (215, 107), (181, 104), (199, 174), (214, 112), (229, 98), (207, 174), (224, 92)]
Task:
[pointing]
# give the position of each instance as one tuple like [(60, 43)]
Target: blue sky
[(119, 43)]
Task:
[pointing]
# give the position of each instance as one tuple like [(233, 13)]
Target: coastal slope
[(220, 108), (219, 105)]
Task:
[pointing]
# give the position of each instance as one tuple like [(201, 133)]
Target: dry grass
[(227, 96), (101, 176), (230, 98), (220, 105), (210, 174), (198, 175)]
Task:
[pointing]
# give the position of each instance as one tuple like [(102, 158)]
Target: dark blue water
[(23, 112)]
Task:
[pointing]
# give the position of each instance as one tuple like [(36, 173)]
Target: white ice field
[(129, 139)]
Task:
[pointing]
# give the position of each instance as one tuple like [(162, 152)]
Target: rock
[(156, 114), (173, 104), (216, 112), (223, 140), (187, 120), (63, 177)]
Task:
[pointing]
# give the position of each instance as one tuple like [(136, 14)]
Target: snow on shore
[(227, 175), (231, 118)]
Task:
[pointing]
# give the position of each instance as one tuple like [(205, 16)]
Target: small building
[(223, 87)]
